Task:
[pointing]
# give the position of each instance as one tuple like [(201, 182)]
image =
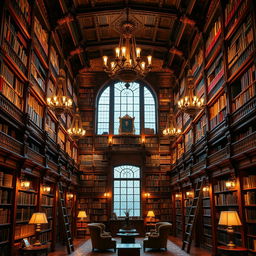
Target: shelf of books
[(14, 45), (217, 111), (6, 197), (206, 218), (11, 87), (240, 44), (244, 88), (27, 202), (249, 197), (226, 199), (178, 214), (47, 205), (188, 195), (70, 205)]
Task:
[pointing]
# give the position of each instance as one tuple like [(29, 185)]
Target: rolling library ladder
[(65, 220), (194, 211)]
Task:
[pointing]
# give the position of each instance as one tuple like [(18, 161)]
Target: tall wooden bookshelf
[(30, 56), (222, 62)]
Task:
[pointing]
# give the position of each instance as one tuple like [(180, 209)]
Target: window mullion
[(141, 109), (111, 109)]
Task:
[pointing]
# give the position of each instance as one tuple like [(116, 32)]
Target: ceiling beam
[(141, 9)]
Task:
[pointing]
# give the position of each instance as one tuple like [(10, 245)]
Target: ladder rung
[(187, 233), (186, 242)]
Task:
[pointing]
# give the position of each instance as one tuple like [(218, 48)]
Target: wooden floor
[(83, 248)]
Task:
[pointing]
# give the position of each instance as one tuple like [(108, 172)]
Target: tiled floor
[(83, 248)]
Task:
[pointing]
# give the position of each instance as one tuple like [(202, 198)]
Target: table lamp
[(230, 219), (38, 218), (81, 214), (151, 215)]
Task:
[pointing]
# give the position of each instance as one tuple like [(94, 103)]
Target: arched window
[(126, 190), (119, 99)]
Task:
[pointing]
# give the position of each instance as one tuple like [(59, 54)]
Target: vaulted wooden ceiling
[(164, 28)]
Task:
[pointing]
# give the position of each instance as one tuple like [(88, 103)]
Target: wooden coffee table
[(127, 238), (128, 249)]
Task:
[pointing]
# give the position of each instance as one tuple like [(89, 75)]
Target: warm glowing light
[(189, 194), (76, 130), (123, 51), (25, 184), (81, 214), (70, 196), (147, 194), (143, 139), (46, 189), (178, 196), (127, 65), (149, 60), (138, 51), (105, 60), (206, 189), (190, 103), (143, 65), (230, 184), (107, 194), (117, 52)]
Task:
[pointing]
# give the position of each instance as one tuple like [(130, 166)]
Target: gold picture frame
[(126, 125)]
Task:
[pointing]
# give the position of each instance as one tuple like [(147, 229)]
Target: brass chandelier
[(60, 102), (128, 65), (190, 103), (76, 130), (171, 131)]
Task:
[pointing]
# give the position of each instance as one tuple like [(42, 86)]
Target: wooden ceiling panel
[(163, 35), (90, 35)]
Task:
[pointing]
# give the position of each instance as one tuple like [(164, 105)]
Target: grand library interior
[(128, 127)]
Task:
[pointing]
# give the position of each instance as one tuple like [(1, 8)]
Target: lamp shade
[(150, 214), (229, 218), (38, 218), (81, 214)]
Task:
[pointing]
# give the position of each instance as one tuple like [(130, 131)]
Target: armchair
[(158, 240), (100, 241), (154, 231)]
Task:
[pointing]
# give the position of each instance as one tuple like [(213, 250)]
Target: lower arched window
[(126, 190)]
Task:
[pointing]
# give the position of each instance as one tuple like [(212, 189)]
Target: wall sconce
[(46, 189), (70, 196), (230, 184), (178, 196), (190, 194), (143, 139), (107, 194), (206, 189), (110, 140), (25, 184), (147, 195)]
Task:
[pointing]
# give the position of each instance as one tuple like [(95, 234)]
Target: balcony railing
[(10, 144), (244, 110), (217, 156), (7, 106), (246, 144), (36, 157), (198, 166)]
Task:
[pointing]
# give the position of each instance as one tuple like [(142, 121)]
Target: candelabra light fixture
[(76, 131), (190, 103), (171, 130), (60, 102), (128, 65)]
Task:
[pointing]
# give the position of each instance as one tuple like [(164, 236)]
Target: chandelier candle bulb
[(105, 60), (149, 60), (124, 51), (138, 50), (143, 64), (117, 52)]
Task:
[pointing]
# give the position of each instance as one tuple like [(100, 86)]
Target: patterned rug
[(86, 249)]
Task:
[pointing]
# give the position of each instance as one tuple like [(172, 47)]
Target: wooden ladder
[(194, 212), (65, 219)]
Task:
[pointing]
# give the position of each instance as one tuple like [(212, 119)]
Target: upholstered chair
[(103, 230), (158, 240), (99, 241), (154, 231)]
